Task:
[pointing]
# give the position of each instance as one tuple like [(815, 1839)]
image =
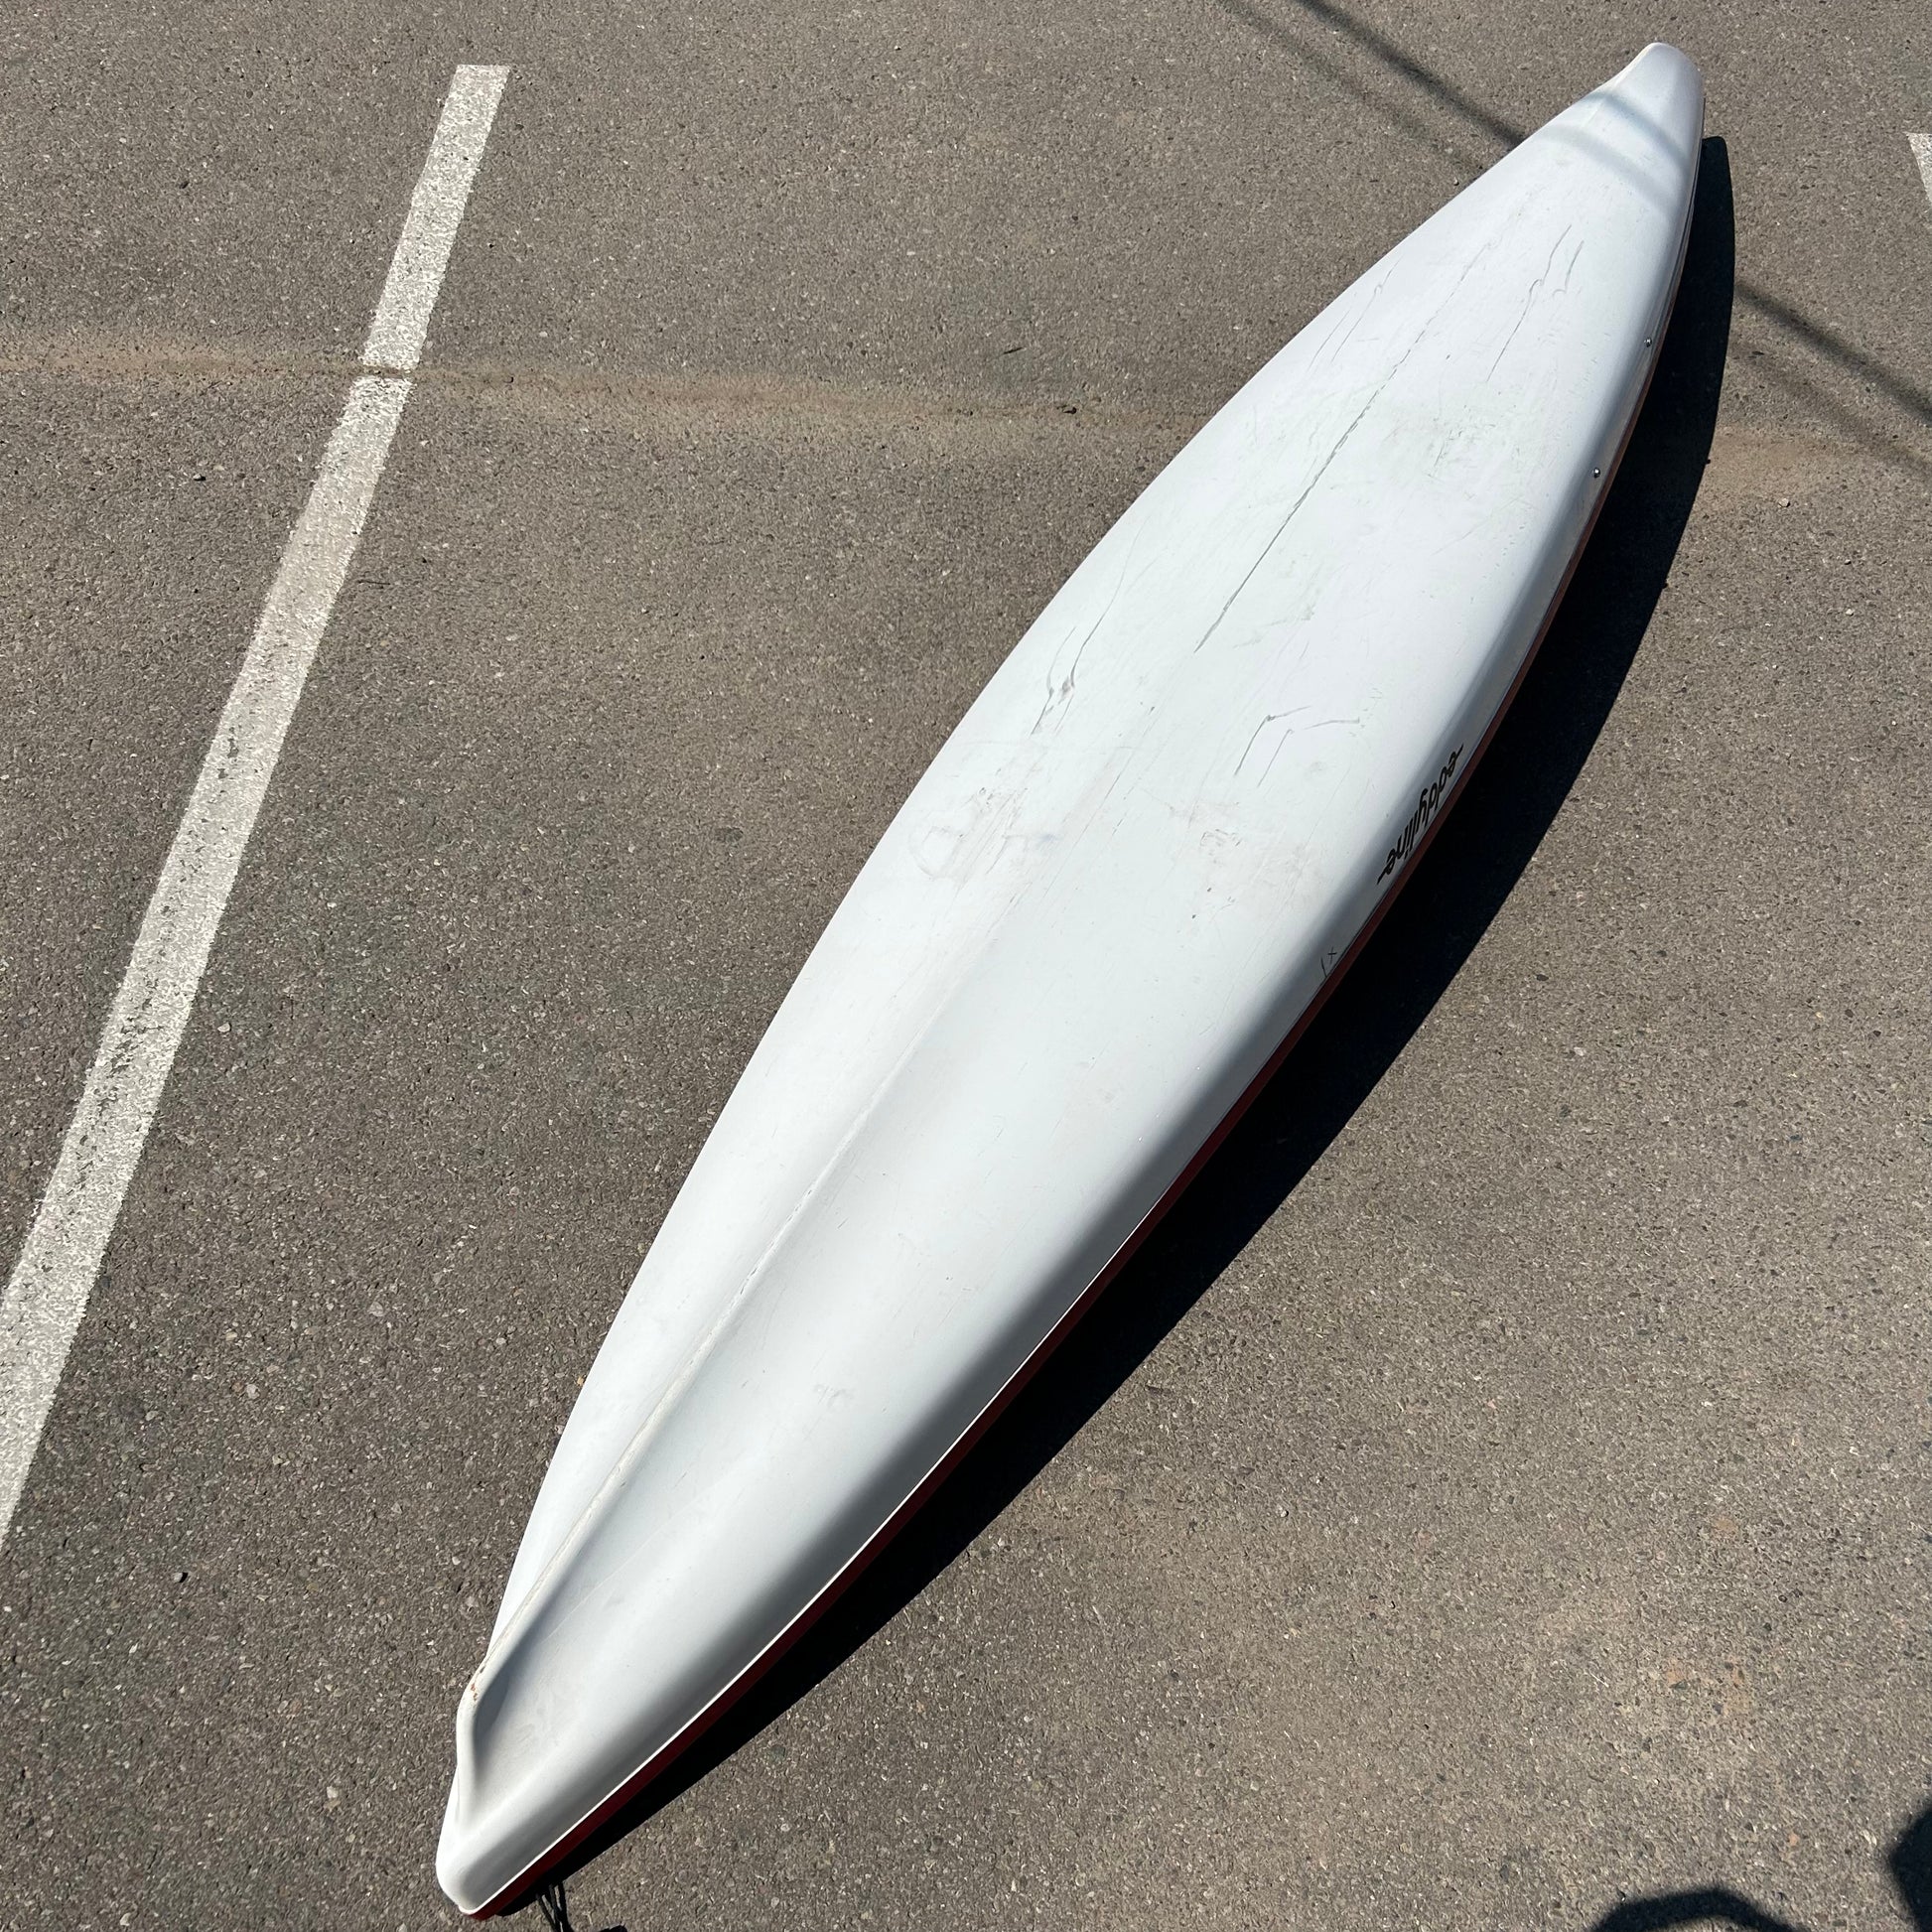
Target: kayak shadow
[(1456, 890)]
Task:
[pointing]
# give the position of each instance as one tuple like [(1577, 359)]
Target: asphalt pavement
[(1497, 1498)]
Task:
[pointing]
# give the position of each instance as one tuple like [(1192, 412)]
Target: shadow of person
[(1709, 1906), (1911, 1870), (1453, 894), (1909, 1860)]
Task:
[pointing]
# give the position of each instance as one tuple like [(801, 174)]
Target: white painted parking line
[(48, 1291), (416, 272), (1922, 154)]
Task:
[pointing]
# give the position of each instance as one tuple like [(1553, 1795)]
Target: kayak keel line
[(1163, 829)]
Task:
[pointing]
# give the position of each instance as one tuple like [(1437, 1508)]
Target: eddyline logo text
[(1427, 803)]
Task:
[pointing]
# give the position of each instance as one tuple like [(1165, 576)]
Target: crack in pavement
[(752, 395)]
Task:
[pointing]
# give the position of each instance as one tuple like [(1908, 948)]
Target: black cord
[(555, 1907)]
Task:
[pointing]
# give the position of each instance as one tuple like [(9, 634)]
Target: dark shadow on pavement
[(1456, 891), (1911, 1870), (1910, 1863), (1502, 134), (1713, 1905)]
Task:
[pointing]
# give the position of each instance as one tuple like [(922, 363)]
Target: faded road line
[(48, 1291), (1922, 154)]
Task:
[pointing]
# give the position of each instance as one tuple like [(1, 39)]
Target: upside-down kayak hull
[(1121, 886)]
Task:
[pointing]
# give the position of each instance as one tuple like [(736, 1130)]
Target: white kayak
[(1122, 885)]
